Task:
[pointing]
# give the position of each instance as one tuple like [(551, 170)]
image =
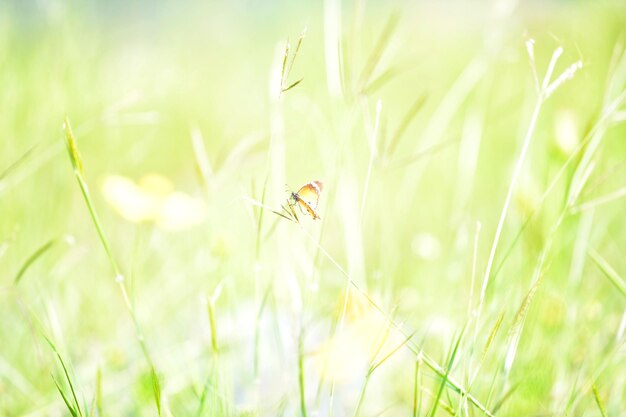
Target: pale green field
[(469, 259)]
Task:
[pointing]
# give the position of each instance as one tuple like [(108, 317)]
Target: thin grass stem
[(119, 277)]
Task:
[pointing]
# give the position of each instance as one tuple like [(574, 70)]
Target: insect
[(307, 198)]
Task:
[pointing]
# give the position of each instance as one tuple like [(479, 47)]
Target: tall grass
[(79, 173), (467, 260)]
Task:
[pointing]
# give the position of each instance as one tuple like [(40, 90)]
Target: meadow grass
[(467, 260)]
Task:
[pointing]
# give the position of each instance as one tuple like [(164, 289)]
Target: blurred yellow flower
[(344, 357), (153, 199)]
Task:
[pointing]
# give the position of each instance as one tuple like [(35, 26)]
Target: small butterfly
[(307, 198)]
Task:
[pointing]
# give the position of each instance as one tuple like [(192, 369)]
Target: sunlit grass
[(467, 260)]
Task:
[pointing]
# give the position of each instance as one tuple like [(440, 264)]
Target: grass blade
[(292, 85), (378, 50), (393, 351), (607, 198), (17, 162), (283, 69), (295, 54), (608, 271), (211, 312), (257, 329), (374, 365), (444, 380), (286, 69), (65, 399), (156, 387), (72, 149), (99, 393), (301, 375), (596, 395), (76, 406), (278, 213), (257, 247), (32, 258), (518, 324), (417, 390), (492, 335), (505, 397), (77, 164), (406, 121)]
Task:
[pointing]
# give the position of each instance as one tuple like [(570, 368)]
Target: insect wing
[(305, 207), (310, 193), (307, 198)]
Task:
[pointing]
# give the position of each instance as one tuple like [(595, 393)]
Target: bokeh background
[(413, 115)]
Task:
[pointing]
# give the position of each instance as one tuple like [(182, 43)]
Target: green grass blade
[(384, 335), (293, 213), (406, 121), (32, 258), (156, 387), (517, 327), (444, 380), (257, 250), (86, 408), (442, 404), (65, 399), (295, 54), (99, 393), (393, 351), (67, 376), (596, 396), (492, 336), (283, 69), (417, 390), (301, 379), (72, 149), (257, 329), (211, 313), (17, 162), (292, 85), (384, 78), (505, 397), (378, 50), (77, 164), (608, 271)]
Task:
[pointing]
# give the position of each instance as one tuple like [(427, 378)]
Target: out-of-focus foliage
[(413, 115)]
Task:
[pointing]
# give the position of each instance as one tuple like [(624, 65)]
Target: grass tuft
[(448, 369), (72, 403)]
